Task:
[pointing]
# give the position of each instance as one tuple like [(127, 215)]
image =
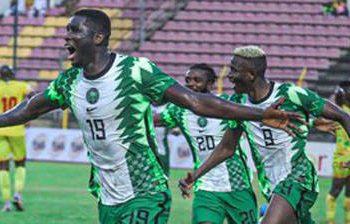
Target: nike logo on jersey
[(201, 131), (90, 109)]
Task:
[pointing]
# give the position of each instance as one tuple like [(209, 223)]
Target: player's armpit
[(26, 111)]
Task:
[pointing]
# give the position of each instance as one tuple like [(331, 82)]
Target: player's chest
[(198, 125), (98, 100)]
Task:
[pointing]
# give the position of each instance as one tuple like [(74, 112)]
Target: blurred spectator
[(39, 8), (70, 6), (336, 8), (21, 7)]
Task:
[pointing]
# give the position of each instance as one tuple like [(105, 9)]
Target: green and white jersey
[(114, 114), (277, 155), (202, 135)]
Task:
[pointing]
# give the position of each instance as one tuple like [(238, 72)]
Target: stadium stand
[(294, 33), (40, 41)]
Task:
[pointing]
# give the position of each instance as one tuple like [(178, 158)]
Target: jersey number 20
[(205, 142)]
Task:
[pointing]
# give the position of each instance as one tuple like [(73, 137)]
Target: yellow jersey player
[(12, 141), (341, 160)]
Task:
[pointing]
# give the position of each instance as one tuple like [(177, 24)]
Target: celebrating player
[(12, 139), (110, 95), (284, 170), (225, 191), (341, 159)]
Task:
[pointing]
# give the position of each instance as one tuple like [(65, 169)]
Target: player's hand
[(282, 119), (325, 125), (185, 185)]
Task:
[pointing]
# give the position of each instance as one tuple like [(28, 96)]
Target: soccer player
[(12, 140), (225, 191), (284, 171), (341, 172), (110, 95)]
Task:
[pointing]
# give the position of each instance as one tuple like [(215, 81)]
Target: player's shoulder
[(16, 84), (238, 98), (69, 74), (224, 96), (137, 61), (72, 71), (284, 89), (290, 89), (174, 108)]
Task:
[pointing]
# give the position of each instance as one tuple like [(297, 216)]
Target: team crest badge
[(92, 95), (202, 122)]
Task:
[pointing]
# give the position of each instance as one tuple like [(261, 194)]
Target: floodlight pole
[(142, 20), (15, 35)]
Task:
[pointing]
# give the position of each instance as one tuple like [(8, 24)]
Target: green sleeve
[(58, 90), (168, 116), (233, 124), (154, 82), (55, 93), (307, 99)]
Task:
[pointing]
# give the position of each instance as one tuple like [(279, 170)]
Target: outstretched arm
[(26, 111), (333, 112), (224, 150), (209, 105)]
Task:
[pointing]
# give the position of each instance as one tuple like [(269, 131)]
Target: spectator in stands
[(70, 6), (21, 7), (39, 8), (336, 7)]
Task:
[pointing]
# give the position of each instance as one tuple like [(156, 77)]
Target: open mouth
[(71, 51)]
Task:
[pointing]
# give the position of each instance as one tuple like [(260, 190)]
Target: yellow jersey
[(11, 94), (343, 140)]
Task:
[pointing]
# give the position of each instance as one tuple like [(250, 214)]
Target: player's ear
[(98, 38), (251, 76)]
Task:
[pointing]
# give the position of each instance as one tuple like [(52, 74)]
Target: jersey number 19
[(97, 128)]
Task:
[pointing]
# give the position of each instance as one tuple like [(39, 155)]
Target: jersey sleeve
[(233, 124), (307, 99), (154, 82), (167, 116), (55, 93)]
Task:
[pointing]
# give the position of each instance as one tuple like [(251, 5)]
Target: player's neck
[(98, 64), (261, 89)]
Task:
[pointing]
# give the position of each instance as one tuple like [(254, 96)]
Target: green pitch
[(57, 193)]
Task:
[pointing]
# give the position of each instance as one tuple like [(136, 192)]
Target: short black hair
[(98, 20), (209, 71), (257, 64)]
